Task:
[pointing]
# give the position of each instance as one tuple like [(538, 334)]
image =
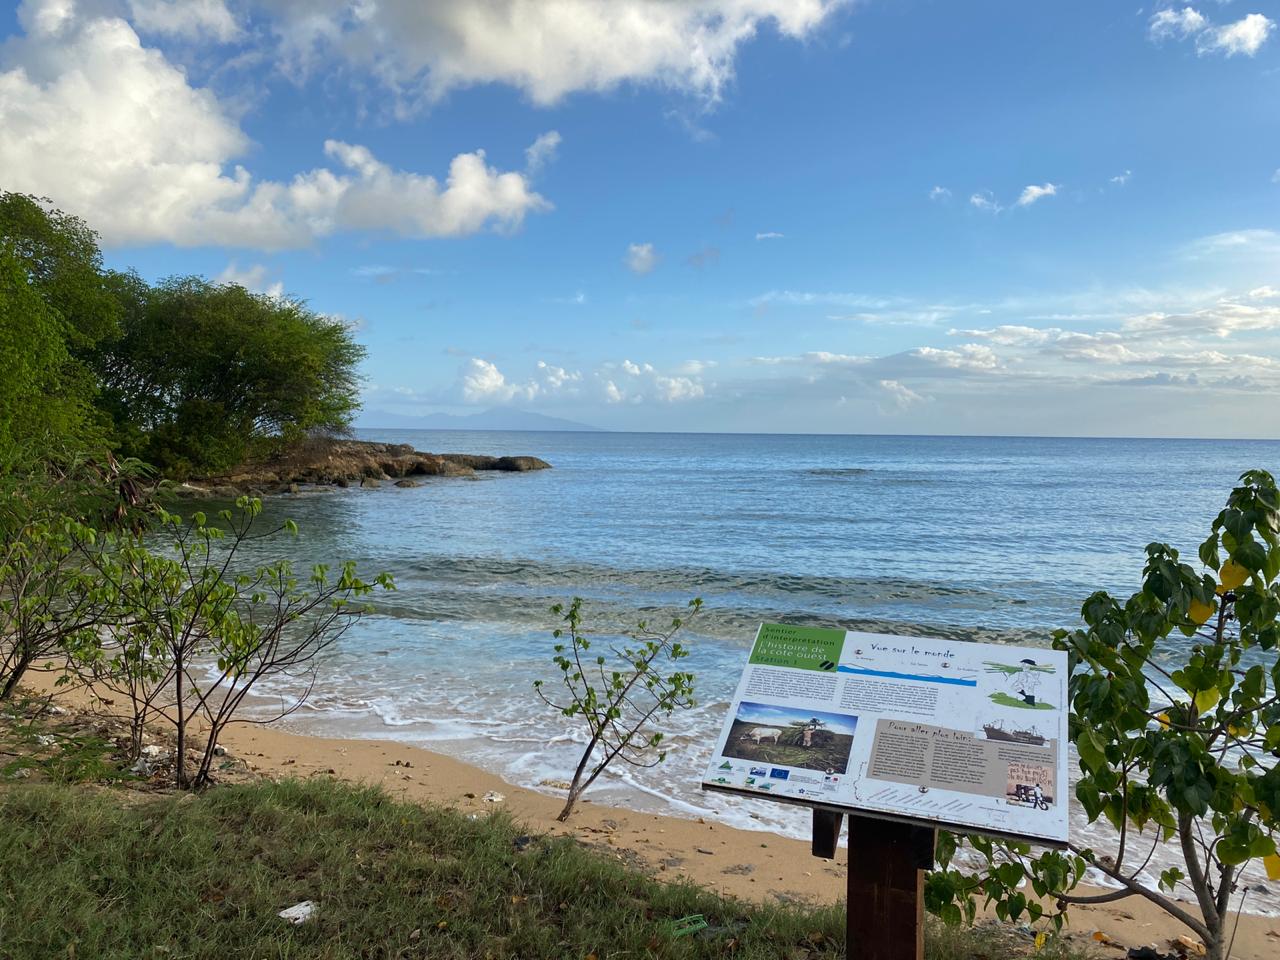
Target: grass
[(84, 875)]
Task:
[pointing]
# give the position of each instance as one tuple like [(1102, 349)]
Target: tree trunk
[(180, 762), (11, 682), (574, 790)]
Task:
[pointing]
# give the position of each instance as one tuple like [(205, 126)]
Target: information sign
[(937, 733)]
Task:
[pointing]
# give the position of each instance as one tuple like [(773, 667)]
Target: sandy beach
[(750, 865)]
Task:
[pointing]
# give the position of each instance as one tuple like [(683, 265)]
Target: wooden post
[(826, 833), (885, 910)]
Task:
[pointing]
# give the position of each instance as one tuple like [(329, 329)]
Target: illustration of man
[(1037, 795), (1025, 682)]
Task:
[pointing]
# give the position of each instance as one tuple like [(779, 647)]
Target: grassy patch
[(83, 875)]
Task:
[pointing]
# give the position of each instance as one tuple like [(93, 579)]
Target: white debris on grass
[(299, 912)]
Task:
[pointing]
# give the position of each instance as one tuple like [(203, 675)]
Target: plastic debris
[(492, 797), (299, 912)]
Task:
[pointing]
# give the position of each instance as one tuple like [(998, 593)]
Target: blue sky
[(887, 216)]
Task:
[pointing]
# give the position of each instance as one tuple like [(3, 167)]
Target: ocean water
[(993, 539)]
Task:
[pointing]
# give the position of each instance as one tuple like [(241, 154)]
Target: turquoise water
[(977, 538)]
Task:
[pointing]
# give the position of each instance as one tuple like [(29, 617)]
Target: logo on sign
[(779, 774)]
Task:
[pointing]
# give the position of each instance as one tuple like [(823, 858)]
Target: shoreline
[(746, 864)]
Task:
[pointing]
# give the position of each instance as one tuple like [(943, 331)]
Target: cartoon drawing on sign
[(1022, 684), (1030, 785)]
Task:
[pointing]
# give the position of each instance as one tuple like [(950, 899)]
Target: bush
[(1178, 741)]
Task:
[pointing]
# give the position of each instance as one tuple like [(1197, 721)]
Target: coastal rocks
[(345, 463), (406, 484)]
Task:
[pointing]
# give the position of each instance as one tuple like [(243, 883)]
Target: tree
[(618, 701), (196, 630), (206, 374), (1181, 751), (50, 517), (60, 255)]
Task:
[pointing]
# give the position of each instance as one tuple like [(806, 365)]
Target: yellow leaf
[(1272, 863), (1199, 612), (1164, 720), (1233, 575), (1041, 937), (1206, 700)]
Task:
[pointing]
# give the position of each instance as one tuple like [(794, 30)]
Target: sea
[(968, 538)]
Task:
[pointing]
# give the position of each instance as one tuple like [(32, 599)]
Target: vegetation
[(205, 375), (189, 375), (205, 878), (1176, 743), (618, 700), (190, 633)]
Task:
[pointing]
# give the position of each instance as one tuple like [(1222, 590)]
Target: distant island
[(497, 418)]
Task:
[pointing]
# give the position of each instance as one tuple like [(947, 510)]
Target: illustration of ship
[(996, 731)]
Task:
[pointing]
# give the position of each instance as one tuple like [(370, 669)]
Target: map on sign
[(970, 736)]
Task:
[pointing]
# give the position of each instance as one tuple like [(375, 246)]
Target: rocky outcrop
[(346, 463)]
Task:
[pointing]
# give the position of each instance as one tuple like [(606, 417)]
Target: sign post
[(902, 735)]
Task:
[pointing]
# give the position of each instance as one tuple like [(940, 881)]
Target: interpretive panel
[(970, 736)]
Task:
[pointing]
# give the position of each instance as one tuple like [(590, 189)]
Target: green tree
[(619, 698), (195, 628), (206, 375), (56, 307), (1178, 739)]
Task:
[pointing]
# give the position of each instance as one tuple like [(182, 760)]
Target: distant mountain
[(496, 419)]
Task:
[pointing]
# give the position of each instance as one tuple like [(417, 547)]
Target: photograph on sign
[(968, 736)]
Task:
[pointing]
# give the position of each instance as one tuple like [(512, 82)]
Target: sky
[(805, 216)]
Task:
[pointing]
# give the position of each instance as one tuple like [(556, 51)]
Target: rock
[(20, 774), (221, 751), (342, 482), (46, 740), (153, 751), (371, 482), (56, 711), (293, 488), (299, 912), (141, 769), (408, 483)]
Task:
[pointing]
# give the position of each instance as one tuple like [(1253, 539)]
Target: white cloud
[(1008, 335), (769, 235), (1256, 242), (1121, 179), (546, 49), (1176, 24), (641, 258), (899, 395), (1245, 36), (482, 382), (188, 19), (113, 132), (1264, 293), (1033, 192), (984, 200), (253, 278), (542, 151), (939, 193)]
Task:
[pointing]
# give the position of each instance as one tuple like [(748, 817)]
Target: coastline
[(750, 865)]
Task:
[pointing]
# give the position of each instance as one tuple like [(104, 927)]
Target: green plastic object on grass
[(686, 926)]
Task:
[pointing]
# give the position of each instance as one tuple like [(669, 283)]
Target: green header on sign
[(800, 648)]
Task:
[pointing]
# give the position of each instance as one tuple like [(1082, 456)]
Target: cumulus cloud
[(483, 383), (939, 193), (114, 132), (1242, 37), (1120, 179), (548, 50), (1033, 192), (1246, 36), (255, 278), (612, 382), (899, 395), (188, 19), (641, 258)]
